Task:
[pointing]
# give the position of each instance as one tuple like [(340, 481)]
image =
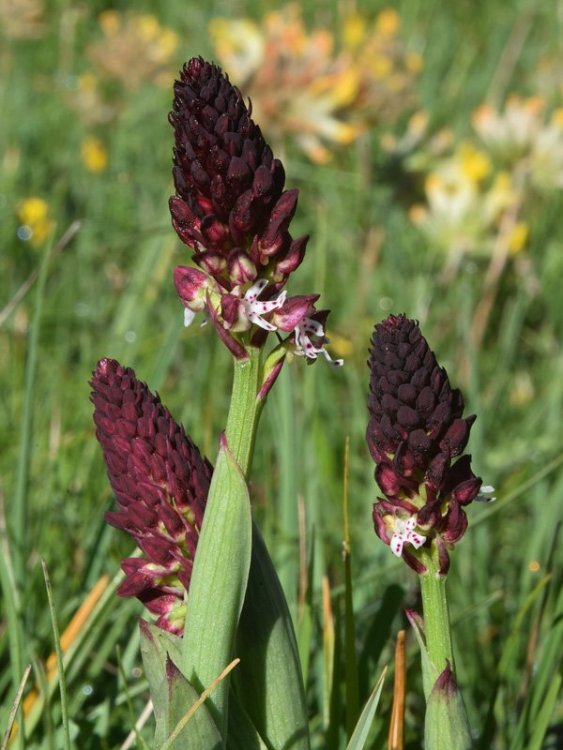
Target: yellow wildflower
[(167, 44), (94, 154), (388, 22), (148, 27), (36, 225), (88, 82), (475, 164), (413, 62), (518, 237), (417, 213), (379, 65), (354, 31), (109, 21)]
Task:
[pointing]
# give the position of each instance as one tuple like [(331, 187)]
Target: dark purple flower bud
[(161, 483), (229, 188), (415, 432)]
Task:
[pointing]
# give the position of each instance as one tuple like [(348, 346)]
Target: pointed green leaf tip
[(361, 732), (172, 695), (446, 726)]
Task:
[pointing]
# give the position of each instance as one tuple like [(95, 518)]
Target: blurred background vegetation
[(427, 143)]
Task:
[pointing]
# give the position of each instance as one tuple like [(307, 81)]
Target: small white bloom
[(189, 315), (304, 347), (486, 494), (255, 310), (403, 533)]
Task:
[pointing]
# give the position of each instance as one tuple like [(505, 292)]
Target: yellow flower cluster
[(478, 195), (135, 49), (94, 155), (22, 19), (36, 224), (524, 137), (311, 87)]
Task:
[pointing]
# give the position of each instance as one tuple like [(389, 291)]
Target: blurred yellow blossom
[(36, 225), (94, 154), (525, 137), (475, 164), (479, 196), (388, 22), (522, 390), (518, 237), (302, 86), (88, 100), (109, 21), (509, 134), (464, 208), (354, 31), (22, 19), (135, 49), (414, 62)]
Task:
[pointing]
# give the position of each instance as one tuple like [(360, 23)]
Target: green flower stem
[(269, 678), (222, 563), (245, 409), (436, 620)]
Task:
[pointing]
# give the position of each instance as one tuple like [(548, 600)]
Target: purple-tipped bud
[(446, 726), (415, 433), (230, 195), (194, 288), (293, 311), (161, 484)]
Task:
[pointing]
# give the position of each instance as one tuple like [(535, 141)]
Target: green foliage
[(109, 292)]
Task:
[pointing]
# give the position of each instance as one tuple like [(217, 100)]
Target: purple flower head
[(231, 208), (230, 205), (416, 433), (161, 483)]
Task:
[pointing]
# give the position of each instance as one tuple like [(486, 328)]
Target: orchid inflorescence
[(416, 435), (161, 483), (232, 210)]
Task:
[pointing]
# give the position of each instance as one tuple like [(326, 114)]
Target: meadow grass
[(108, 292)]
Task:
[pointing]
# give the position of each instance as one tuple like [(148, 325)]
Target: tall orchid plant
[(203, 567)]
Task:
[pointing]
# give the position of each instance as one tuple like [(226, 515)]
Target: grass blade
[(361, 732)]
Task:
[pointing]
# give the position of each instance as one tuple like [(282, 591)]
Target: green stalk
[(221, 566), (245, 409), (436, 620), (445, 726)]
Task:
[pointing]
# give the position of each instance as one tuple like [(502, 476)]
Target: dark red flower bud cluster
[(161, 483), (230, 205), (416, 433)]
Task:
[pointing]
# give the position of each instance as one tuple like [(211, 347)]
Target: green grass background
[(53, 480)]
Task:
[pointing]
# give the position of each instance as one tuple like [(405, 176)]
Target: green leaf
[(182, 728), (172, 695), (429, 671), (378, 635), (218, 584), (361, 731), (242, 732), (543, 717), (269, 680), (157, 646), (445, 725)]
